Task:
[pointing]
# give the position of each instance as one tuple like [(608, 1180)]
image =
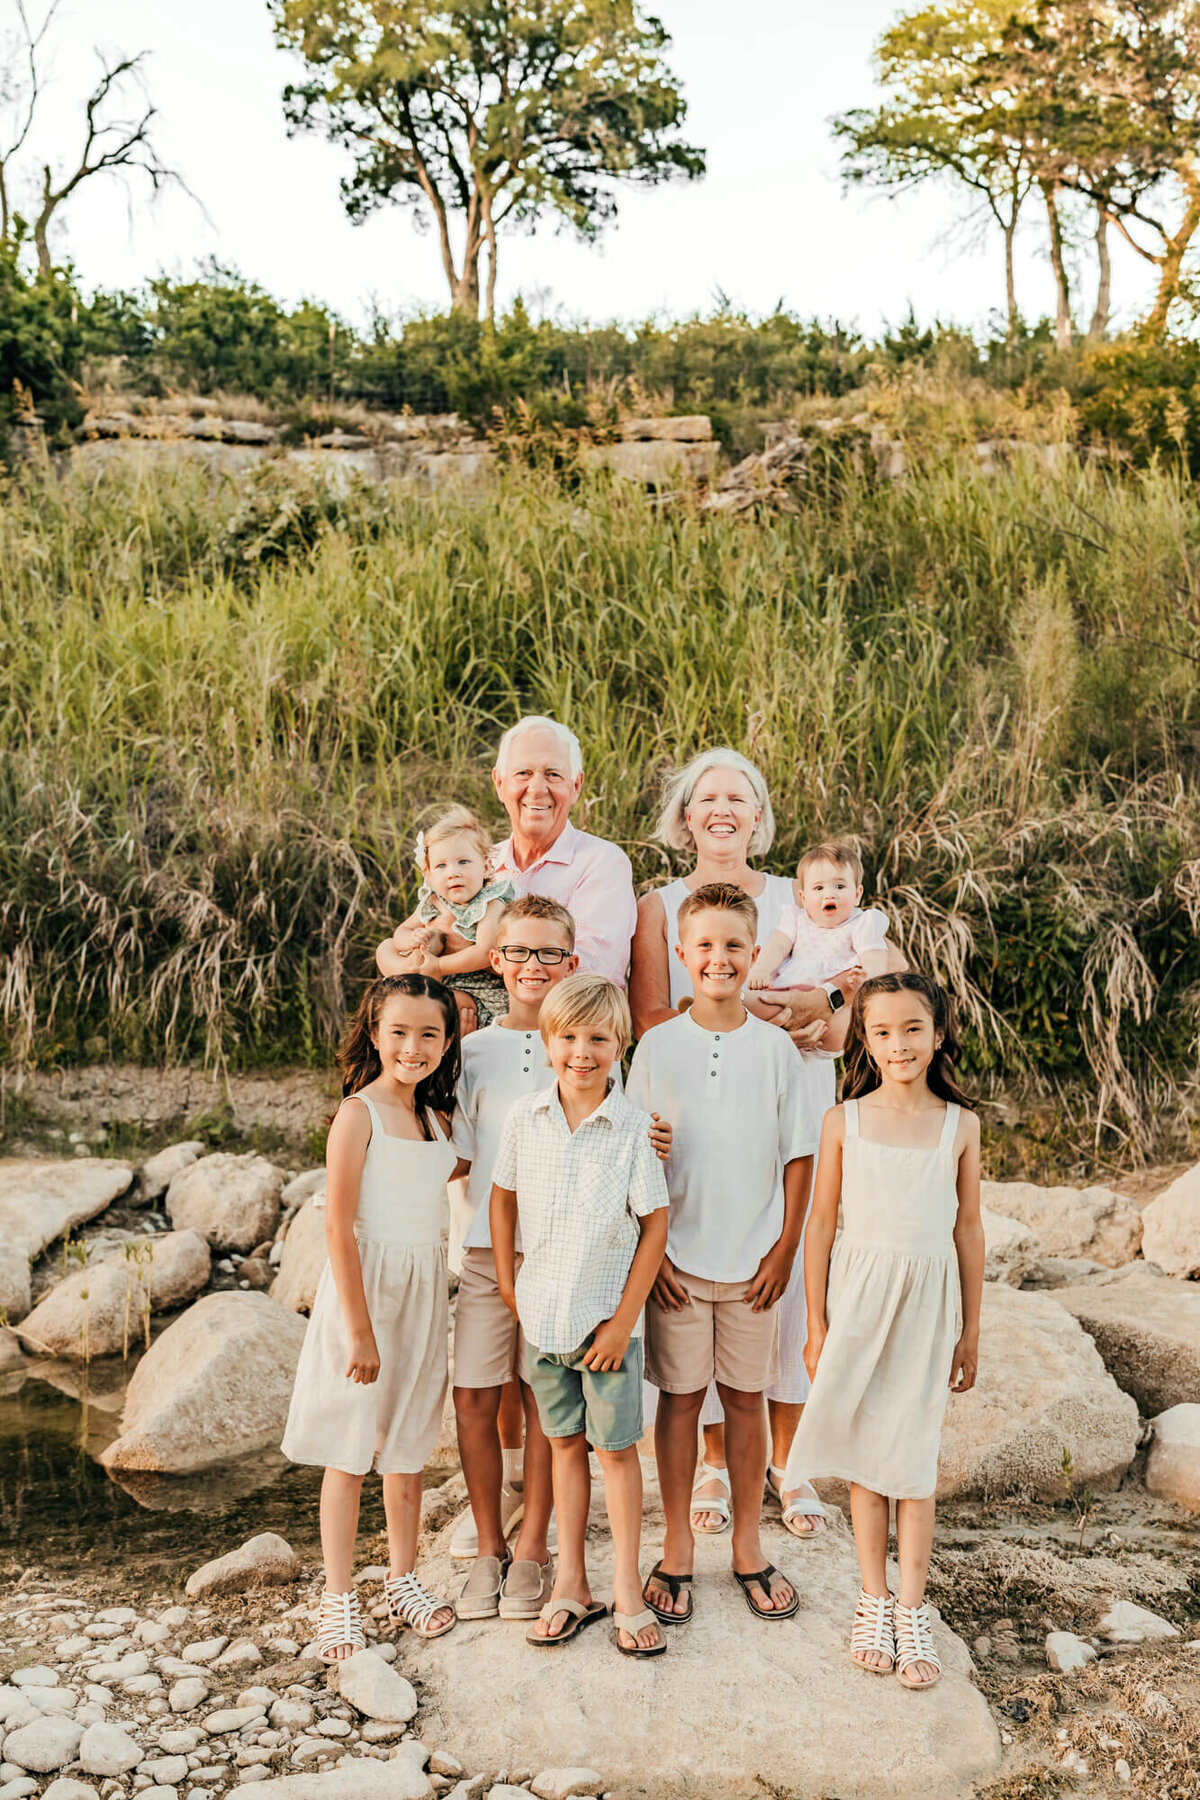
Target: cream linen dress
[(894, 1310), (392, 1423)]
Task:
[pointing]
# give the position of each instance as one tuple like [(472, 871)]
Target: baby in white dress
[(829, 933)]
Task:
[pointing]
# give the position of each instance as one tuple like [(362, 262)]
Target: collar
[(733, 1031), (546, 1100), (562, 850)]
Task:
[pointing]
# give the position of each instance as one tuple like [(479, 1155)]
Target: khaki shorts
[(489, 1345), (716, 1338)]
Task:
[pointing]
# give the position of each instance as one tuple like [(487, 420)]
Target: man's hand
[(964, 1365), (364, 1357), (772, 1277), (813, 1347), (661, 1137), (608, 1347), (668, 1290)]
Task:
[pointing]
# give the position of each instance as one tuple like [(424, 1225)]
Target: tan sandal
[(633, 1623)]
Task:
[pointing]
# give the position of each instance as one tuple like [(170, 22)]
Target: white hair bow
[(419, 849)]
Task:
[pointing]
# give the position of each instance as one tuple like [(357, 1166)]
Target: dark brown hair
[(862, 1077), (718, 896), (536, 906), (358, 1059), (842, 856)]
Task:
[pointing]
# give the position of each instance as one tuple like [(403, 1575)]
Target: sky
[(770, 223)]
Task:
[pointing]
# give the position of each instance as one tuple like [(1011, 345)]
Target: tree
[(110, 141), (493, 112)]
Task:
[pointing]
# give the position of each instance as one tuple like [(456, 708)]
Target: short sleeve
[(647, 1183), (870, 930), (789, 920), (637, 1089), (504, 1174), (799, 1115)]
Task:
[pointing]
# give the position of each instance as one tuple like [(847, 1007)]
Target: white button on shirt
[(741, 1108), (579, 1196)]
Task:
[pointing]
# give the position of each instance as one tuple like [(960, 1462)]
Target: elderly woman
[(718, 808)]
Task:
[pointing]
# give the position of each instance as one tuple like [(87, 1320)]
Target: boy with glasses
[(534, 951)]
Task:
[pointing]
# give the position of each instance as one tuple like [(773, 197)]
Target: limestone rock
[(1127, 1623), (373, 1688), (560, 1784), (1067, 1653), (355, 1778), (1066, 1221), (67, 1788), (232, 1718), (39, 1201), (43, 1745), (37, 1675), (188, 1693), (693, 428), (263, 1561), (98, 1310), (1146, 1326), (1011, 1250), (232, 1201), (156, 1175), (1173, 1465), (1042, 1389), (303, 1258), (204, 1650), (214, 1386), (1171, 1227), (108, 1750)]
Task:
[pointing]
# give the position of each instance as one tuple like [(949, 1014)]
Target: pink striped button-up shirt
[(593, 879)]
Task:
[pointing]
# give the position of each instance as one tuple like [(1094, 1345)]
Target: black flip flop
[(762, 1579), (673, 1583)]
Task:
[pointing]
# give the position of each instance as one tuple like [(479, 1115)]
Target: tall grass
[(226, 707)]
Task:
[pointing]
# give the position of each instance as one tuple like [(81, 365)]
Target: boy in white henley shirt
[(738, 1176)]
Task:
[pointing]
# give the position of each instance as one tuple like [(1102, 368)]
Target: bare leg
[(914, 1543), (572, 1494), (512, 1415), (746, 1438), (537, 1488), (476, 1412), (623, 1498), (402, 1508), (714, 1456), (675, 1429), (869, 1516), (340, 1496)]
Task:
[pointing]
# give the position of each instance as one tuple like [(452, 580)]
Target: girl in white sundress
[(893, 1305), (373, 1371)]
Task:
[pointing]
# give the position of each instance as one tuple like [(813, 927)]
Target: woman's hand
[(668, 1290), (964, 1364), (813, 1347), (364, 1357)]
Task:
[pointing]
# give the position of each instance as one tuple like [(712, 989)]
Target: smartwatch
[(834, 995)]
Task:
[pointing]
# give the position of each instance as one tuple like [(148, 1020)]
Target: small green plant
[(139, 1258), (1082, 1501)]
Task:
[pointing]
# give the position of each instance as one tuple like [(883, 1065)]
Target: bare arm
[(968, 1241), (775, 1270), (345, 1151), (650, 967), (612, 1337), (771, 957), (822, 1229), (476, 955), (502, 1216)]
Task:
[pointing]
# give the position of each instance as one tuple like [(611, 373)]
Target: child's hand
[(813, 1347), (509, 1298), (608, 1347), (430, 964), (757, 980), (364, 1358), (964, 1365), (773, 1275), (661, 1137), (668, 1290)]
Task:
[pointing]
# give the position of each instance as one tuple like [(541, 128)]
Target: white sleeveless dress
[(894, 1313), (792, 1386), (392, 1424)]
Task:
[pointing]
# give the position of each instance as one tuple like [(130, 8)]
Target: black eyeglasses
[(521, 953)]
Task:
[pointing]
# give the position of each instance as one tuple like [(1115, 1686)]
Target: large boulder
[(100, 1310), (1171, 1227), (39, 1201), (157, 1172), (1042, 1391), (304, 1256), (232, 1201), (216, 1385), (1092, 1222), (1173, 1465), (1146, 1326), (1010, 1249)]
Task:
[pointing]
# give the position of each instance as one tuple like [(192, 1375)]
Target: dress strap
[(376, 1121), (850, 1109), (949, 1125)]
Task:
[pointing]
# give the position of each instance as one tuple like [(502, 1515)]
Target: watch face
[(836, 999)]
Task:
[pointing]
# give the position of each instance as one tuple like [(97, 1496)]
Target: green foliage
[(41, 343)]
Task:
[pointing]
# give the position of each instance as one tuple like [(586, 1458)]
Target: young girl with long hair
[(893, 1306), (373, 1371)]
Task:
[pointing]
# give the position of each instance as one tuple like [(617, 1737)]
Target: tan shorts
[(716, 1338), (489, 1345)]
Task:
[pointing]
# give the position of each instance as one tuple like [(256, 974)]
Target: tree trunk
[(1171, 263), (464, 289), (1062, 321), (1010, 281), (489, 231), (1099, 324)]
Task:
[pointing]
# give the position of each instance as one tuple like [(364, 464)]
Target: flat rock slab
[(1146, 1326), (732, 1700), (39, 1201)]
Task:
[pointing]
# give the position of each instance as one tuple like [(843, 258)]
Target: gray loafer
[(526, 1589), (479, 1595)]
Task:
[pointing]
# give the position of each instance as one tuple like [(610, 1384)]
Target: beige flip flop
[(581, 1617), (633, 1623)]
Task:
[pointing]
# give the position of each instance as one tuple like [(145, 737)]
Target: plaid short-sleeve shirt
[(579, 1196)]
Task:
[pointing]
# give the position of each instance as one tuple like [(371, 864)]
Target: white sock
[(514, 1465)]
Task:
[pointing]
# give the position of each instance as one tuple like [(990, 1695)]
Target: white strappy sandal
[(873, 1629), (805, 1503), (711, 1503), (914, 1643), (339, 1626), (413, 1605)]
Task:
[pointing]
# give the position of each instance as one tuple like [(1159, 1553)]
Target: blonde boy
[(576, 1169)]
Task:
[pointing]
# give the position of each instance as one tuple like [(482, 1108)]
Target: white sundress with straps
[(894, 1314), (392, 1423)]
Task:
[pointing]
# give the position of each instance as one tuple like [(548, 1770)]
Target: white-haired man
[(538, 777)]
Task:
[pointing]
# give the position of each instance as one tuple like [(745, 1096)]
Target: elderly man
[(538, 777)]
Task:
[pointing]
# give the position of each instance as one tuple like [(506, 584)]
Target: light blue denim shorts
[(605, 1404)]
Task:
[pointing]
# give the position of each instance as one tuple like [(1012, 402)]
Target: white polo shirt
[(579, 1196), (741, 1108)]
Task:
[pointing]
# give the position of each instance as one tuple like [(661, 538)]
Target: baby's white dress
[(819, 952), (894, 1313), (392, 1423)]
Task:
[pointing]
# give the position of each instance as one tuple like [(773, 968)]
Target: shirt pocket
[(601, 1195)]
